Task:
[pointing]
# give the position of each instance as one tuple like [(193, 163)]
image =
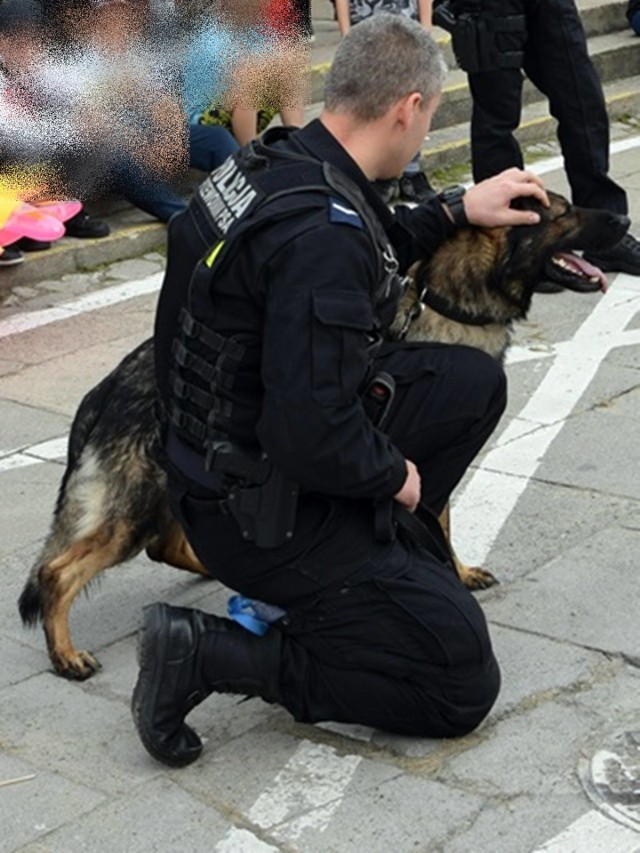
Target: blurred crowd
[(120, 97)]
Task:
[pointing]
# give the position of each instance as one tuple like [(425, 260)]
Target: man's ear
[(406, 107)]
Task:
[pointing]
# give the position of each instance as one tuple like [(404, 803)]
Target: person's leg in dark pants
[(448, 401), (496, 109), (209, 146), (558, 63), (401, 646), (145, 190)]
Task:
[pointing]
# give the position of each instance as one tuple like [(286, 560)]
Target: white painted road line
[(311, 784), (25, 322), (593, 833), (46, 451), (484, 505)]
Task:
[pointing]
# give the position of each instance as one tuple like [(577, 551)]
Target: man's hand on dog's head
[(487, 204)]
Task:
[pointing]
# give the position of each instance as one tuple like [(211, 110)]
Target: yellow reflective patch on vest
[(214, 254)]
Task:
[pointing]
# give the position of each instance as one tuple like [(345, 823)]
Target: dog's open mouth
[(565, 267)]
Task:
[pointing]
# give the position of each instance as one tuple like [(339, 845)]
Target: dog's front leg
[(473, 577)]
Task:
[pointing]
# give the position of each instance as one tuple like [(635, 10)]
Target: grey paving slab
[(533, 751), (520, 825), (89, 740), (402, 813), (159, 816), (587, 596), (613, 702), (554, 317), (77, 371), (134, 268), (73, 336), (533, 666), (25, 425), (549, 519), (602, 462), (8, 367), (19, 660), (36, 807), (28, 498)]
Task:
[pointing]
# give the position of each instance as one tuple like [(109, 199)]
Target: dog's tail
[(30, 601)]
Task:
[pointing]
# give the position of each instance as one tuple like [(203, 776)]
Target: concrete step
[(133, 233), (615, 55), (598, 19), (449, 146)]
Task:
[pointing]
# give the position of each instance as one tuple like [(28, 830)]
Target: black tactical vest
[(214, 391)]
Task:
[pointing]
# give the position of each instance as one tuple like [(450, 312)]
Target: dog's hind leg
[(473, 577), (171, 547), (62, 578)]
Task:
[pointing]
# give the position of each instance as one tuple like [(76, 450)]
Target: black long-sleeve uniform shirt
[(302, 288)]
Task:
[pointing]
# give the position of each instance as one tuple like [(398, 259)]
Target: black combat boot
[(185, 655)]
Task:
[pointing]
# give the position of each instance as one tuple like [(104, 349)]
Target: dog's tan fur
[(112, 502)]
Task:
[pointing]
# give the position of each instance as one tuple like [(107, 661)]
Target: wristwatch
[(452, 197)]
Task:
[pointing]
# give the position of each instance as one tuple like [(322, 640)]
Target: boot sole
[(151, 653)]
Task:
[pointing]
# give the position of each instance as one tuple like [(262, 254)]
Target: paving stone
[(521, 823), (549, 520), (65, 337), (583, 597), (159, 817), (535, 750), (19, 660), (601, 465), (402, 813), (25, 425), (8, 367), (132, 269), (28, 498), (32, 809), (89, 740), (76, 375)]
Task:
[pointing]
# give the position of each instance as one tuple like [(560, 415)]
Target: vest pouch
[(265, 513), (338, 362)]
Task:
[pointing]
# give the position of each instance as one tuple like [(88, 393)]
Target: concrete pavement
[(551, 508)]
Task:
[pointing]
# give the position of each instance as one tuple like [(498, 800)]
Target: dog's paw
[(77, 667), (473, 577)]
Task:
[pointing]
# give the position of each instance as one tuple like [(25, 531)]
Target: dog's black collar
[(451, 312)]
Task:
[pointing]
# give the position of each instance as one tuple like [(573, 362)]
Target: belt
[(190, 464)]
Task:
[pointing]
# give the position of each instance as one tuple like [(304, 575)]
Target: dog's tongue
[(581, 266)]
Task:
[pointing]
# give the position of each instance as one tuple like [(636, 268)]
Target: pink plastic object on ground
[(28, 221)]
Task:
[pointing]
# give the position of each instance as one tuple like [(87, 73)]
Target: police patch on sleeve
[(341, 212)]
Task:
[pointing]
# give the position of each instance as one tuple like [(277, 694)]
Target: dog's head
[(563, 228), (493, 271)]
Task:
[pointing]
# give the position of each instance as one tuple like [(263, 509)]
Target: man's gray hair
[(380, 61)]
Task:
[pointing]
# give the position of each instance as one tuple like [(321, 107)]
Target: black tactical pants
[(557, 62), (382, 634)]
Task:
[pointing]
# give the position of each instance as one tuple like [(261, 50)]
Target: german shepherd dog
[(112, 501)]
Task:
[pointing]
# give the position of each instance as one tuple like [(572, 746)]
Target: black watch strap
[(452, 197)]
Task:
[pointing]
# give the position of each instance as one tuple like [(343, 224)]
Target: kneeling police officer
[(288, 423)]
